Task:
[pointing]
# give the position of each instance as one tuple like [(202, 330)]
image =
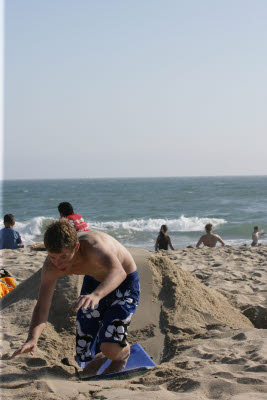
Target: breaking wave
[(132, 231), (182, 224)]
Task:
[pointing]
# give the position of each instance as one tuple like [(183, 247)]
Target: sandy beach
[(202, 318)]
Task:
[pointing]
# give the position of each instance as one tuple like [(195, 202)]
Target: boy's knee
[(113, 351)]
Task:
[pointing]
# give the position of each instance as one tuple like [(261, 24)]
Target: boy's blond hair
[(59, 235)]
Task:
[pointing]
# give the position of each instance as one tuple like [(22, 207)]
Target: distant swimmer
[(255, 236), (210, 239), (65, 210), (163, 240)]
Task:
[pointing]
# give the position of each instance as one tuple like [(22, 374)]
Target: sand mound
[(192, 304), (23, 299), (57, 342), (189, 308), (239, 273)]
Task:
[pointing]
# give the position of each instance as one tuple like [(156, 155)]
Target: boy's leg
[(87, 344), (118, 356), (113, 338), (112, 351), (115, 320)]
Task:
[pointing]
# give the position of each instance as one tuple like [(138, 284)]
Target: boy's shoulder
[(10, 232), (5, 231)]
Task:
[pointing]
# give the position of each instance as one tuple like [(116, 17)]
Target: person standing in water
[(255, 236), (163, 240)]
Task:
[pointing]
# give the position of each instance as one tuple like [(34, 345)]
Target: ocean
[(132, 210)]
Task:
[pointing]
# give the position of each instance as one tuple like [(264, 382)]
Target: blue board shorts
[(110, 319)]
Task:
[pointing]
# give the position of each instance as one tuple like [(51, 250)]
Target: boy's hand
[(86, 301), (28, 347)]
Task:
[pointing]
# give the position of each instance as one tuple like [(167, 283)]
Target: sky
[(144, 88), (1, 88)]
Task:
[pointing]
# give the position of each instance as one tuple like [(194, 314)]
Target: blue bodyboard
[(139, 360)]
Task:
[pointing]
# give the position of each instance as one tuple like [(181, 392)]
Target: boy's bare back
[(96, 251)]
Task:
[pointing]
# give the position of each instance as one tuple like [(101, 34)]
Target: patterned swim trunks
[(110, 319)]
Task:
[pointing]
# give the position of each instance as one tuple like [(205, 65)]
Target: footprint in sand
[(36, 362), (250, 381), (257, 274), (240, 336), (229, 360), (257, 368), (223, 374)]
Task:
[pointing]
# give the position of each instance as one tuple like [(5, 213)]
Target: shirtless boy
[(109, 295), (210, 239), (255, 236)]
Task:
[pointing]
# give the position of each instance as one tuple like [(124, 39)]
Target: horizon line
[(134, 177)]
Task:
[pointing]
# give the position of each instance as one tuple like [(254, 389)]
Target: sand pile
[(57, 343), (239, 273), (193, 305), (189, 308)]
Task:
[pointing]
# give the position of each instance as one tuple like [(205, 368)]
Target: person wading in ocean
[(255, 236)]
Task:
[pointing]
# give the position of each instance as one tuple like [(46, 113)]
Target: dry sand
[(192, 320)]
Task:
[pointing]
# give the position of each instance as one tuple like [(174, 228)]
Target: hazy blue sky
[(1, 86), (120, 88)]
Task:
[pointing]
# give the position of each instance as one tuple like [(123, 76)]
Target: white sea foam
[(182, 224), (33, 229)]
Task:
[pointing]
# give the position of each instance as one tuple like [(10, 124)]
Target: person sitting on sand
[(65, 210), (163, 240), (109, 295), (9, 238), (210, 239), (255, 236)]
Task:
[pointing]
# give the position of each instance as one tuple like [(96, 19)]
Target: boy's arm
[(19, 241), (157, 244), (40, 312), (115, 275)]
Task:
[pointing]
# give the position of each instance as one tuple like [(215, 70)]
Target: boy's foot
[(116, 366), (93, 366)]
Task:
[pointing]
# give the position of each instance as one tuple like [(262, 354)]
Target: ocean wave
[(32, 230), (181, 224), (135, 229)]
